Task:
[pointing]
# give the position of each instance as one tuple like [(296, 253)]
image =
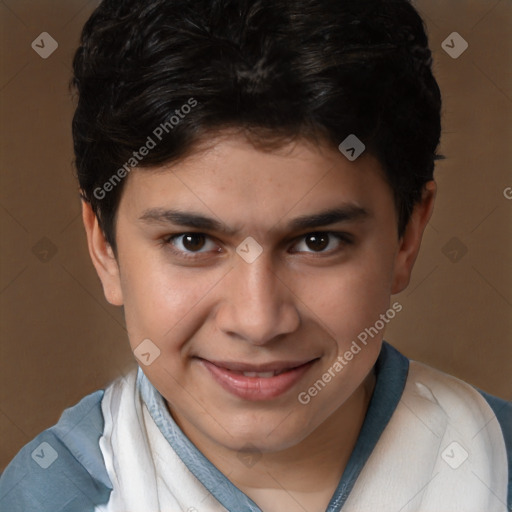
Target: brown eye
[(323, 242), (192, 246), (317, 242), (193, 241)]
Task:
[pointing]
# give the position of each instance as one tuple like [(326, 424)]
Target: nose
[(256, 306)]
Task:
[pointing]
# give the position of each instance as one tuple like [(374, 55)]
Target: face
[(254, 273)]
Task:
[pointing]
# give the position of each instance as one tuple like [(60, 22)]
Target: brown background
[(61, 340)]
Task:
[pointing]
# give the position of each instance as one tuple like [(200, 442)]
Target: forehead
[(232, 178)]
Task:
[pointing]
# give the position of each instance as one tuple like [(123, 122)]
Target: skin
[(298, 301)]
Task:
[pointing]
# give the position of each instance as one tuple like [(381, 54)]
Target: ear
[(102, 256), (411, 239)]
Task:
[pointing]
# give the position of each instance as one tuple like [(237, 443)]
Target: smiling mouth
[(257, 382), (262, 375)]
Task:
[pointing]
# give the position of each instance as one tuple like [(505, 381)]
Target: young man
[(256, 178)]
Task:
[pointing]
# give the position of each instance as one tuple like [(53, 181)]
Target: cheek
[(348, 298), (348, 302), (164, 303)]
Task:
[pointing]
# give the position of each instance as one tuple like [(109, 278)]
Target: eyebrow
[(344, 213)]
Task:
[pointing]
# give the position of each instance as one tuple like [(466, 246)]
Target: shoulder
[(503, 411), (471, 410), (62, 468)]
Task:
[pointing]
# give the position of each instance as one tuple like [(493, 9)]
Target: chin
[(267, 434)]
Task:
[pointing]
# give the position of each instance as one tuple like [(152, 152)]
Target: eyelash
[(167, 242), (343, 238)]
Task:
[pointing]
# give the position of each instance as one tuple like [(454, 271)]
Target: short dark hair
[(273, 69)]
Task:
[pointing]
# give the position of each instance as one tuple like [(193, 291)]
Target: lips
[(257, 382)]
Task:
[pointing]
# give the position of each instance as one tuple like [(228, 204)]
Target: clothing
[(429, 442)]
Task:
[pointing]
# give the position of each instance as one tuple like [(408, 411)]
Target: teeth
[(263, 375)]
